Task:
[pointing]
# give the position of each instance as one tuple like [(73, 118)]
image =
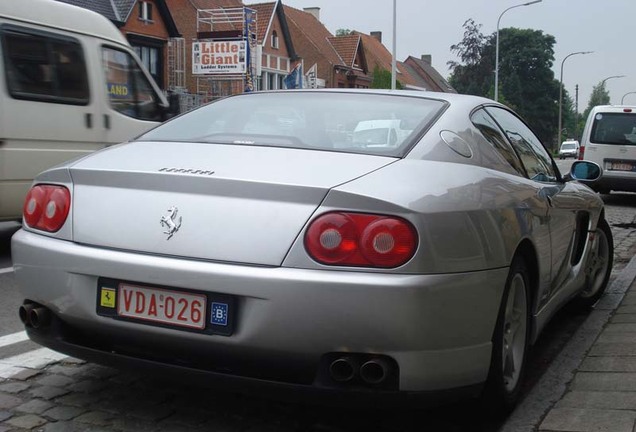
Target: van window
[(129, 90), (614, 128), (44, 67)]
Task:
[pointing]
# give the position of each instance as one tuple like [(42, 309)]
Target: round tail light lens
[(46, 207), (363, 240)]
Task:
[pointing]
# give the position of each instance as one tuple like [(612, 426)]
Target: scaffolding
[(231, 24), (177, 65)]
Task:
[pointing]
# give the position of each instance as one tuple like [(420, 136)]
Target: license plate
[(621, 167), (158, 305)]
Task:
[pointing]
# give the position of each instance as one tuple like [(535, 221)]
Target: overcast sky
[(432, 26)]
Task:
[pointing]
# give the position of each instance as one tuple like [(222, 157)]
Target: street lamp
[(623, 98), (393, 63), (561, 91), (497, 46), (608, 78), (613, 76)]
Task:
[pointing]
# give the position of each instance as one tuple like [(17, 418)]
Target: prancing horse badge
[(170, 222)]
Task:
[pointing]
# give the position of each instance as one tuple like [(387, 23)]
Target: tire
[(598, 266), (510, 343)]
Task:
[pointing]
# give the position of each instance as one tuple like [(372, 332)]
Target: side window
[(44, 67), (534, 157), (493, 134), (129, 90)]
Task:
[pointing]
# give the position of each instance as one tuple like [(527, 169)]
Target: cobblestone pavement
[(621, 215), (71, 395)]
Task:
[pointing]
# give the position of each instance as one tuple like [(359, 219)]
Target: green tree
[(526, 80), (599, 96), (343, 32), (382, 79)]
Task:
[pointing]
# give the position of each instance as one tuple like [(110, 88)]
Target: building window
[(272, 81), (145, 11), (150, 52), (274, 39)]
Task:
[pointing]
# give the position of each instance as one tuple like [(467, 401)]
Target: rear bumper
[(437, 328), (617, 181)]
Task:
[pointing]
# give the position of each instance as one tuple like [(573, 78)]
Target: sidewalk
[(591, 385)]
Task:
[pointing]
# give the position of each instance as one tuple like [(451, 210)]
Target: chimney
[(315, 11), (377, 35), (427, 58)]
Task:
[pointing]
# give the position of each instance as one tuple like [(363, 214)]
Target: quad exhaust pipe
[(35, 315)]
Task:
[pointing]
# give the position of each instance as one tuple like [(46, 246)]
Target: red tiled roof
[(264, 13), (216, 4), (315, 32), (347, 47), (377, 55)]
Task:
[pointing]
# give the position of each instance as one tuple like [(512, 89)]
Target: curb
[(554, 382)]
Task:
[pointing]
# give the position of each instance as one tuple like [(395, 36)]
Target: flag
[(311, 79), (295, 78)]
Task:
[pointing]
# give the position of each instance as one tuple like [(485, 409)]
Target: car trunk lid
[(216, 202)]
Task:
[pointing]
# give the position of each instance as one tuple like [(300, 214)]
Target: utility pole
[(576, 113)]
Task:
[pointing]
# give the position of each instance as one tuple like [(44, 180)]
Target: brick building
[(147, 24), (278, 56)]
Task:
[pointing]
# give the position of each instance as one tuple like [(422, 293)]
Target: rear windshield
[(349, 122), (571, 146), (614, 128)]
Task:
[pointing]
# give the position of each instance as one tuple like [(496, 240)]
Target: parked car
[(71, 84), (609, 139), (569, 148), (265, 253)]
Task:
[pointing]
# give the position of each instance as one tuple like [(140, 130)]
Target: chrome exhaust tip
[(24, 312), (374, 371), (343, 369), (39, 317)]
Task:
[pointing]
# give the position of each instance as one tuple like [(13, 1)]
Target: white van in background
[(609, 139), (379, 133), (70, 84)]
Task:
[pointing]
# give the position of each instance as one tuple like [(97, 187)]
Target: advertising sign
[(219, 57)]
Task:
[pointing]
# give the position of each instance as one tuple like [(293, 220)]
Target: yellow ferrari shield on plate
[(107, 298)]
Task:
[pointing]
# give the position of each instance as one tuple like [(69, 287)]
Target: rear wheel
[(510, 342), (598, 266)]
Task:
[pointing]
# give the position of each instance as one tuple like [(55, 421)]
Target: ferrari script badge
[(170, 222)]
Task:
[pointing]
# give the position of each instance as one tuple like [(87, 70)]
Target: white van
[(609, 139), (69, 84), (569, 148), (379, 133)]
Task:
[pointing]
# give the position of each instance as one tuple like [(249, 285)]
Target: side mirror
[(173, 109), (585, 171)]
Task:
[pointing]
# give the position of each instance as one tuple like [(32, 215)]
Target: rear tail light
[(581, 152), (363, 240), (46, 207)]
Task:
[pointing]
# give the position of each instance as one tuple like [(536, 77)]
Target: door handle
[(88, 120), (106, 121)]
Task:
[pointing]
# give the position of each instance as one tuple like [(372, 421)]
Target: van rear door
[(612, 141)]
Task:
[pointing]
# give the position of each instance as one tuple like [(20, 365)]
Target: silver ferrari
[(344, 242)]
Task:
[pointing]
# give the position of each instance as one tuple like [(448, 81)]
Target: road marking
[(36, 359), (6, 270), (13, 338)]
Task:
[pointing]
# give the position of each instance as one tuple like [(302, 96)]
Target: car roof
[(468, 101), (614, 108)]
